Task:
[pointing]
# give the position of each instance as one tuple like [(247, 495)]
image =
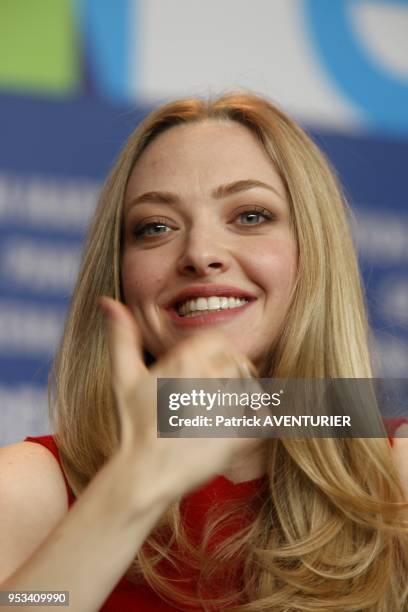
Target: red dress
[(128, 597)]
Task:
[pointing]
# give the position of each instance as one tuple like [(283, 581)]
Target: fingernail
[(245, 370)]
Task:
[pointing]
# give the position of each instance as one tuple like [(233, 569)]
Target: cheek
[(274, 264), (142, 278)]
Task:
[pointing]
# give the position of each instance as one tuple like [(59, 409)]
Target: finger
[(206, 355), (233, 365), (186, 358), (125, 345), (244, 367)]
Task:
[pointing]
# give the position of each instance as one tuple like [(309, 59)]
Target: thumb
[(125, 345)]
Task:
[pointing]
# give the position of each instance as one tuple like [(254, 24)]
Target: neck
[(249, 465)]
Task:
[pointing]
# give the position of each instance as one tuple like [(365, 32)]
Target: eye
[(151, 229), (256, 215)]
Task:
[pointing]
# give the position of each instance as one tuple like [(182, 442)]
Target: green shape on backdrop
[(38, 46)]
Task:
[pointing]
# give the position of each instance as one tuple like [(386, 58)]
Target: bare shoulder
[(31, 471), (33, 500)]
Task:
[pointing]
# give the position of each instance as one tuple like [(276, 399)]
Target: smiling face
[(208, 241)]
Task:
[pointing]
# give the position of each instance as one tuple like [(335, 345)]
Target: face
[(208, 240)]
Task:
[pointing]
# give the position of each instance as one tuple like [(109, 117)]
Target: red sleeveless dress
[(128, 597)]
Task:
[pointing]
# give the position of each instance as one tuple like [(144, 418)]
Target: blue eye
[(153, 228), (254, 216)]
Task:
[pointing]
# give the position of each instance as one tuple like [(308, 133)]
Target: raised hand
[(182, 463)]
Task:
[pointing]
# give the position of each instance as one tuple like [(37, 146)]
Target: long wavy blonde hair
[(328, 529)]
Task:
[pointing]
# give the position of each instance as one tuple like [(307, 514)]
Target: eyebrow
[(223, 191)]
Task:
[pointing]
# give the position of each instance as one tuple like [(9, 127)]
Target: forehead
[(201, 156)]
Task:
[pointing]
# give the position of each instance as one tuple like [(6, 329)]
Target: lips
[(197, 291), (215, 317)]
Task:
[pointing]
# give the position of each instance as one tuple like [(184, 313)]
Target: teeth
[(212, 303), (201, 304)]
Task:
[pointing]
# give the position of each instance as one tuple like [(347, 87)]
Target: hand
[(182, 463)]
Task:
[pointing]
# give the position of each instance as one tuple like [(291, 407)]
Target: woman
[(209, 201)]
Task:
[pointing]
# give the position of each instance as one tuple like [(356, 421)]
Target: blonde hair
[(326, 532)]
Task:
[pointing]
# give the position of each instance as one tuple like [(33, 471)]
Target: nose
[(203, 254)]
